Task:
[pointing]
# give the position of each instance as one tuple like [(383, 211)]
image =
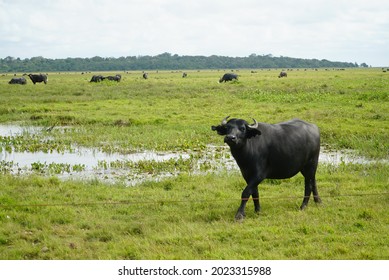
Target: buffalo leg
[(250, 190), (307, 193), (316, 196), (240, 214), (309, 173), (310, 187), (255, 196)]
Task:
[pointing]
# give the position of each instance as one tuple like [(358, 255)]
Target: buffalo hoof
[(239, 217)]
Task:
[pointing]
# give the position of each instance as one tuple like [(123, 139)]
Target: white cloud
[(355, 31)]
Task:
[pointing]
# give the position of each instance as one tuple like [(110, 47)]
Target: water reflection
[(214, 158), (15, 130), (90, 158)]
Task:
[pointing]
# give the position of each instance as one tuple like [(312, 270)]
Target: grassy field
[(191, 216)]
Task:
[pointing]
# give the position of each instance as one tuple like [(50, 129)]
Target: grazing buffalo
[(273, 151), (145, 76), (283, 74), (38, 78), (184, 75), (18, 81), (96, 78), (228, 77), (115, 78)]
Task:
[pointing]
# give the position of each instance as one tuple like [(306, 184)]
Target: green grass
[(349, 106), (191, 216)]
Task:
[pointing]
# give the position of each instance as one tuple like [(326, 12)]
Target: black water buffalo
[(228, 77), (38, 78), (282, 74), (18, 81), (145, 76), (274, 151), (184, 75), (115, 78), (96, 78)]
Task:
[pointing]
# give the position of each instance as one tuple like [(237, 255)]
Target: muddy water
[(94, 163), (215, 157), (90, 158), (78, 155)]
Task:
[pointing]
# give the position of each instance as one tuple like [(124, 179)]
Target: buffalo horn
[(224, 121), (254, 125)]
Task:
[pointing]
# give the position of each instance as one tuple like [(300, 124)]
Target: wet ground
[(86, 163)]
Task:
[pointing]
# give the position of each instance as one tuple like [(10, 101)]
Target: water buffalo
[(282, 74), (145, 76), (96, 78), (38, 78), (273, 151), (115, 78), (228, 77), (19, 81), (184, 75)]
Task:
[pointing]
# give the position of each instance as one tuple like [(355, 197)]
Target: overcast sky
[(337, 30)]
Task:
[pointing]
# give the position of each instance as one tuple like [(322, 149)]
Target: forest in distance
[(164, 61)]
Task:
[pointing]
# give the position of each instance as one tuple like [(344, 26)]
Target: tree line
[(165, 61)]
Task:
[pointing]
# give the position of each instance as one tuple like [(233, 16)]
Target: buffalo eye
[(242, 128)]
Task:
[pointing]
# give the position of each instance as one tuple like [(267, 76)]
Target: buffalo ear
[(221, 129), (252, 132)]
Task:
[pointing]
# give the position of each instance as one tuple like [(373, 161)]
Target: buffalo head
[(237, 131)]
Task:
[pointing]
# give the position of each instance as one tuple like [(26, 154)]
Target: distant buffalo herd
[(99, 78), (35, 78), (39, 78)]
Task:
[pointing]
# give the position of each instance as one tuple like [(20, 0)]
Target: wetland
[(132, 170), (92, 163)]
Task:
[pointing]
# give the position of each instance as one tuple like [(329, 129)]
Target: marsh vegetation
[(188, 214)]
